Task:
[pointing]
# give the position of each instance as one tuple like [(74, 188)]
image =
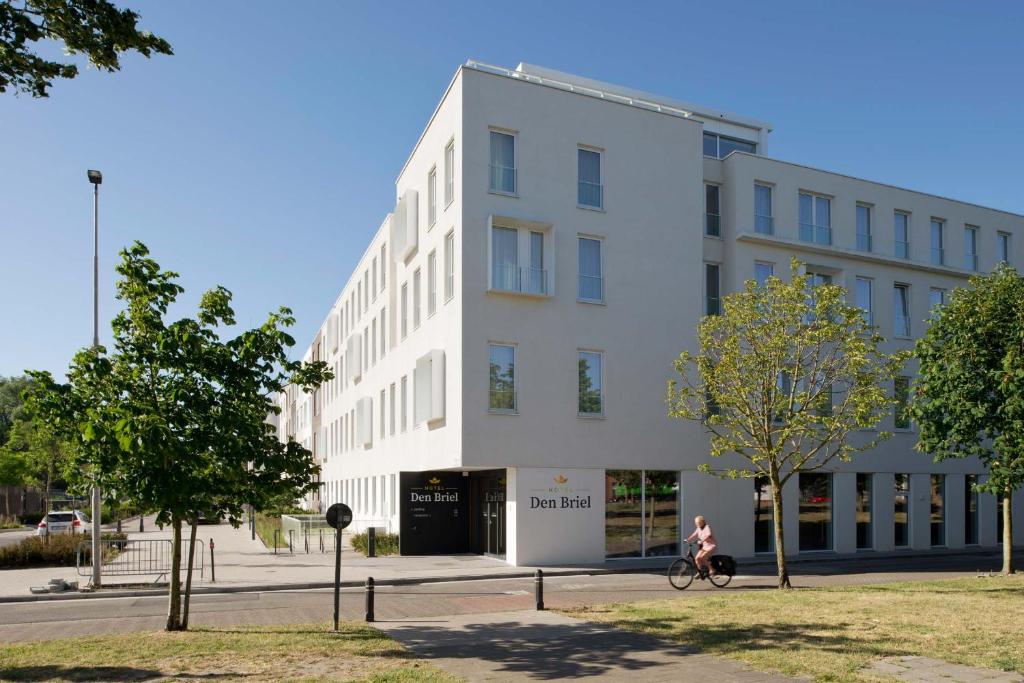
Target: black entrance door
[(487, 510)]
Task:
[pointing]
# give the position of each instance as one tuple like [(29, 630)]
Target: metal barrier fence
[(144, 557)]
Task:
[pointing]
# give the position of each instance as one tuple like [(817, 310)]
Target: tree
[(94, 28), (969, 398), (41, 455), (174, 418), (13, 473), (781, 379), (11, 401)]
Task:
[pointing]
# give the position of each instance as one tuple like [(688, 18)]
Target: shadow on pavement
[(96, 673)]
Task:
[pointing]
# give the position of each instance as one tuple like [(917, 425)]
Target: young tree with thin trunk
[(969, 396), (174, 418), (780, 380)]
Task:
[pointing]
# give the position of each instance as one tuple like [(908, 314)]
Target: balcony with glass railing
[(864, 241), (590, 195), (901, 326), (764, 225), (819, 234), (938, 256), (902, 249), (971, 261), (503, 179), (502, 401), (520, 279)]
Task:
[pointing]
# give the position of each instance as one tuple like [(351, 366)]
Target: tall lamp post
[(96, 178)]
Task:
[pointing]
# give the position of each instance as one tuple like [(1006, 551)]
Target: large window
[(503, 163), (863, 227), (864, 299), (590, 191), (431, 283), (449, 265), (938, 242), (764, 516), (901, 230), (901, 310), (764, 222), (403, 402), (815, 219), (712, 211), (719, 146), (417, 293), (449, 173), (590, 389), (970, 247), (865, 538), (506, 273), (815, 511), (641, 513), (712, 290), (901, 511), (1003, 246), (936, 299), (938, 509), (970, 510), (901, 393), (431, 198), (502, 396), (591, 275)]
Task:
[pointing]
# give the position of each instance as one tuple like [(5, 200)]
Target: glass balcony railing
[(902, 249), (503, 179), (901, 326), (590, 194), (502, 401), (938, 256), (591, 288), (971, 261), (819, 234), (513, 278), (863, 241), (764, 225)]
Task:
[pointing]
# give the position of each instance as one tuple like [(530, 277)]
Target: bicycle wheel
[(680, 574), (720, 580)]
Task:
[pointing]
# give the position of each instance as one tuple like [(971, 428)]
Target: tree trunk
[(1008, 530), (174, 591), (188, 573), (780, 542), (46, 512)]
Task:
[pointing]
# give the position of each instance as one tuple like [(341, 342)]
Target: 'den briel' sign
[(339, 515), (561, 496)]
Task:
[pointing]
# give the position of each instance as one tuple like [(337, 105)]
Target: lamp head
[(95, 177)]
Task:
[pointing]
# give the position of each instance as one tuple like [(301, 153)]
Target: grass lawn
[(307, 652), (830, 634)]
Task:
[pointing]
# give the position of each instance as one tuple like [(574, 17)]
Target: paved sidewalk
[(544, 646), (928, 670)]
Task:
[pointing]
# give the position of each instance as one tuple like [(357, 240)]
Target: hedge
[(34, 551)]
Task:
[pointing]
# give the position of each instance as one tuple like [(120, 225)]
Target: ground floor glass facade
[(815, 511), (641, 513)]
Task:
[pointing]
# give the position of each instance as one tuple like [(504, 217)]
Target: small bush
[(31, 518), (386, 544), (34, 551), (9, 522)]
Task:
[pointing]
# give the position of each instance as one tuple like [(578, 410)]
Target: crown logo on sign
[(434, 480), (561, 479)]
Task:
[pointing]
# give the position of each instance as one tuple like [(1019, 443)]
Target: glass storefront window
[(815, 511), (764, 529), (938, 510), (864, 535), (901, 511), (641, 513), (970, 510), (661, 518)]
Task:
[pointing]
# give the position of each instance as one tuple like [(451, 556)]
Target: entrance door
[(488, 509)]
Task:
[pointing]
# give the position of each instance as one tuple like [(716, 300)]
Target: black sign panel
[(339, 515), (433, 513)]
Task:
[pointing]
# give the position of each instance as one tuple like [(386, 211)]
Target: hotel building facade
[(501, 350)]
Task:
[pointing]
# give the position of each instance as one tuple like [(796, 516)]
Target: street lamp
[(96, 178)]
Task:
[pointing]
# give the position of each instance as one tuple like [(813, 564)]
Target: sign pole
[(337, 575)]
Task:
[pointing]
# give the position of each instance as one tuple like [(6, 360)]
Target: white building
[(548, 227)]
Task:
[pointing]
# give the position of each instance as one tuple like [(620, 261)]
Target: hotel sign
[(560, 494), (433, 513)]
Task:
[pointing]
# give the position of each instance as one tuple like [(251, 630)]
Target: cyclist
[(708, 544)]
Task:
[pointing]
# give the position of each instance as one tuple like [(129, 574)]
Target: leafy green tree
[(174, 418), (970, 390), (43, 456), (780, 380), (94, 28), (11, 401), (13, 473)]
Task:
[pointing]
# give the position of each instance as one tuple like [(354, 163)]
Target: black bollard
[(369, 598), (290, 536), (276, 532), (141, 525), (213, 565), (371, 542), (305, 533), (538, 588)]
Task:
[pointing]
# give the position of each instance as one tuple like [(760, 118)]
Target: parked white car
[(63, 522)]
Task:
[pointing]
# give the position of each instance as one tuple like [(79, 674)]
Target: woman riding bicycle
[(708, 544)]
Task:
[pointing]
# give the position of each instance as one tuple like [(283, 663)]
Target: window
[(431, 283), (1003, 246), (901, 310), (391, 409), (712, 290), (936, 299), (863, 227), (764, 223), (416, 295), (901, 229), (901, 392), (404, 401), (634, 499), (712, 211), (970, 247), (938, 510), (938, 250), (763, 271), (366, 290), (374, 271), (970, 510), (864, 487), (383, 336), (590, 397), (503, 163), (506, 274), (449, 173), (432, 197), (536, 281), (502, 372), (373, 342), (764, 516), (590, 191), (815, 511), (383, 423), (405, 309), (815, 219), (863, 294), (591, 280), (449, 265), (901, 511), (383, 266), (719, 146)]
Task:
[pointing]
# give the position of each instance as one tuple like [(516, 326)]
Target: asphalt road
[(13, 537), (64, 618)]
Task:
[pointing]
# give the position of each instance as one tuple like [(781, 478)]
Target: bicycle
[(682, 572)]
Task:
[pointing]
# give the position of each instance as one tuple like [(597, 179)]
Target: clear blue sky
[(262, 155)]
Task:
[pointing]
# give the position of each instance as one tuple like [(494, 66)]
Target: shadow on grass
[(98, 673)]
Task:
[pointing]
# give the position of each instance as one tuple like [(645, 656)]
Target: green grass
[(384, 544), (265, 526), (306, 652), (831, 634)]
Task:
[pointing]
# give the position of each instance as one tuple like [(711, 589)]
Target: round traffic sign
[(339, 515)]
